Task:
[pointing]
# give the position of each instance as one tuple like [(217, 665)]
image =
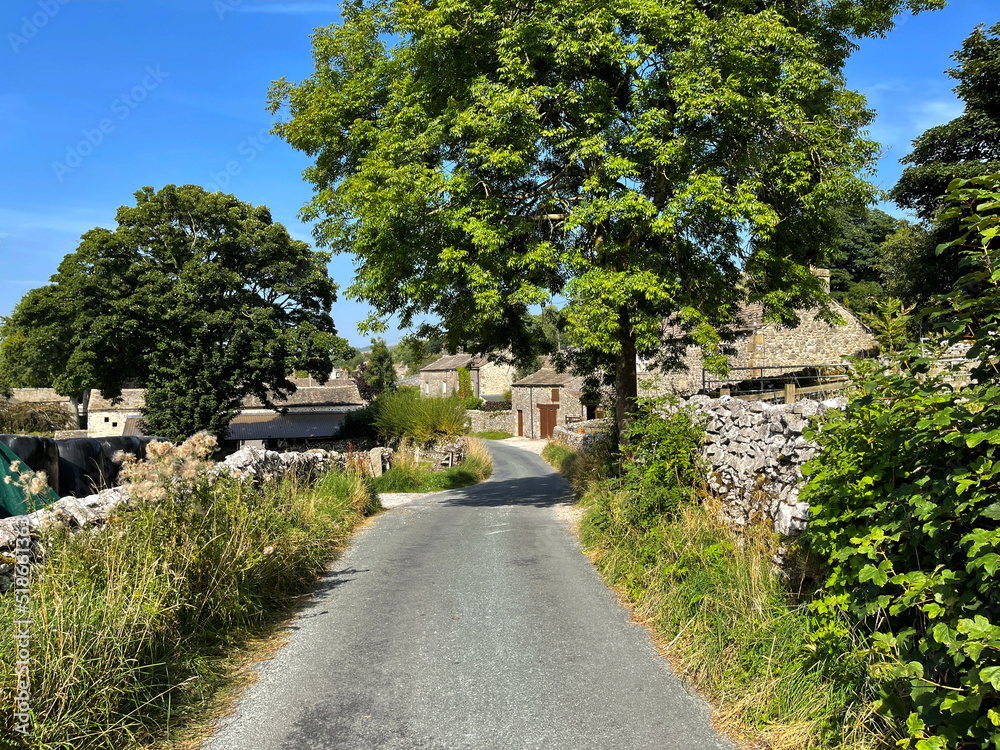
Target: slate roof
[(549, 377), (452, 362), (133, 399), (337, 393)]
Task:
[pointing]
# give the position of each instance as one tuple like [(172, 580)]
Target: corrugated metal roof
[(268, 426), (132, 427)]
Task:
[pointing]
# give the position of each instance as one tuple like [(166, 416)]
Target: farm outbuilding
[(547, 399)]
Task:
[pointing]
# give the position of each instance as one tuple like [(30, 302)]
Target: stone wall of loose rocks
[(582, 436), (755, 453), (490, 421), (248, 463)]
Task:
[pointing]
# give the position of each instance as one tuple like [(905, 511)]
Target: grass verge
[(492, 435), (724, 618), (407, 476), (136, 624)]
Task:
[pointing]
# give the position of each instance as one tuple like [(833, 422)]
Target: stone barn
[(760, 345), (547, 399), (440, 378), (313, 412), (105, 419)]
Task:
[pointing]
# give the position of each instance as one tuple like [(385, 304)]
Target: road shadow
[(540, 492)]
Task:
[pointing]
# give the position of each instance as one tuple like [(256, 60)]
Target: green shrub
[(905, 504), (661, 461), (402, 415), (406, 476), (37, 419), (556, 453), (359, 424)]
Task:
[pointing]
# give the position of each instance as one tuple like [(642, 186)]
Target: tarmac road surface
[(468, 619)]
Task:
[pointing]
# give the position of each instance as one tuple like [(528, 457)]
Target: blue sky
[(101, 97)]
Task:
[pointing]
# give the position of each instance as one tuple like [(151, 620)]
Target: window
[(114, 424), (107, 419), (555, 395), (444, 386)]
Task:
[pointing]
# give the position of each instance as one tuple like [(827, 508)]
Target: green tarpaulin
[(14, 500)]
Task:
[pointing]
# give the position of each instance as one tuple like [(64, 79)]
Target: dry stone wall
[(490, 421), (755, 452), (91, 511)]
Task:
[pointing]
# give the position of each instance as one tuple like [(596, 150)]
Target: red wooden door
[(547, 419)]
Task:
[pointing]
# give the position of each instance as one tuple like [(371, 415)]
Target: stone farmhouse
[(440, 378), (48, 398), (107, 419), (762, 345), (545, 400), (313, 412)]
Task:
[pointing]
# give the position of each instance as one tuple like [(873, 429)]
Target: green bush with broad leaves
[(905, 510), (660, 469)]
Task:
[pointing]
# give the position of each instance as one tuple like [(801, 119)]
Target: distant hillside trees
[(198, 296)]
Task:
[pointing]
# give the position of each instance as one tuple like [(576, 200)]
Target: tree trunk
[(626, 388)]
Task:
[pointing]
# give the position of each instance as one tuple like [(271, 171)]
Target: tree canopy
[(644, 159), (199, 297), (854, 261), (376, 374), (964, 148)]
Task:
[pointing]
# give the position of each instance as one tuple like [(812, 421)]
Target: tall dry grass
[(133, 621)]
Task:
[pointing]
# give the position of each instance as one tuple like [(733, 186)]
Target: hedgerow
[(905, 511)]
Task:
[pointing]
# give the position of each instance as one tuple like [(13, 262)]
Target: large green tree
[(966, 147), (856, 277), (198, 296), (645, 159)]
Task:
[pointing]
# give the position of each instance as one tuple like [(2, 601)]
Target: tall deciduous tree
[(198, 296), (966, 147), (645, 159)]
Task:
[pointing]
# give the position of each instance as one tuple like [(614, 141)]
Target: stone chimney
[(823, 274)]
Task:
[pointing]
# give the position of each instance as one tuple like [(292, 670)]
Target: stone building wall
[(812, 342), (490, 421), (526, 399), (495, 378)]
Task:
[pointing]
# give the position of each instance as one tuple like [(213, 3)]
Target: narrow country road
[(468, 620)]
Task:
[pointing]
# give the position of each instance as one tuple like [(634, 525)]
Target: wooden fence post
[(789, 393)]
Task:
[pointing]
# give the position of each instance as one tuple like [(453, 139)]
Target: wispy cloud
[(294, 8), (68, 221), (933, 112)]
